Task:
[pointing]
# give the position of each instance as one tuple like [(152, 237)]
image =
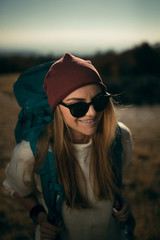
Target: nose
[(91, 111)]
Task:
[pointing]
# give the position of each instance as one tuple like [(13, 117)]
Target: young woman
[(82, 137)]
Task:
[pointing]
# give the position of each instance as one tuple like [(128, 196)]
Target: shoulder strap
[(53, 193), (129, 225), (117, 150)]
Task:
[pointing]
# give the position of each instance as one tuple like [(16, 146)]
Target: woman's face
[(83, 127)]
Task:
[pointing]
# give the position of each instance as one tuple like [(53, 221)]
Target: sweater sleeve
[(127, 144), (19, 170)]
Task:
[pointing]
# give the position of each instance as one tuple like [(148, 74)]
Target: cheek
[(70, 121), (68, 118)]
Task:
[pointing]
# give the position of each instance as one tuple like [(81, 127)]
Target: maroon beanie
[(68, 74)]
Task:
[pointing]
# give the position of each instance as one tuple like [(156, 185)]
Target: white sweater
[(87, 224)]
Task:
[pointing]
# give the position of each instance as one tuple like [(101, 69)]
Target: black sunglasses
[(79, 109)]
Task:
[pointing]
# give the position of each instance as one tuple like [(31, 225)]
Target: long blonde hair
[(101, 164)]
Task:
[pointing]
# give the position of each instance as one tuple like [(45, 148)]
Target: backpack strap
[(116, 153), (52, 192)]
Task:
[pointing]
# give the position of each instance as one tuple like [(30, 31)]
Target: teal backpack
[(34, 115)]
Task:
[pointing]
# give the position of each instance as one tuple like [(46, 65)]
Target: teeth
[(87, 121)]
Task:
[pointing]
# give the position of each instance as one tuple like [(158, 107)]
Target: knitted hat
[(68, 74)]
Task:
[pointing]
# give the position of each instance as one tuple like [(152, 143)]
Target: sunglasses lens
[(79, 109), (100, 103)]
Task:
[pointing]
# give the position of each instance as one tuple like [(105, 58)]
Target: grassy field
[(141, 179)]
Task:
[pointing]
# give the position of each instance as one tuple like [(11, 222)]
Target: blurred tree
[(135, 72), (147, 60)]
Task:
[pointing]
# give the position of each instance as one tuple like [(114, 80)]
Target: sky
[(77, 26)]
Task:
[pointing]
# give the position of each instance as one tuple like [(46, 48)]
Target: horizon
[(27, 53)]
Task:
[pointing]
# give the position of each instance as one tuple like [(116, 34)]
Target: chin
[(89, 133)]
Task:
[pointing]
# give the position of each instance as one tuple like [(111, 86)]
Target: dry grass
[(141, 179), (7, 81)]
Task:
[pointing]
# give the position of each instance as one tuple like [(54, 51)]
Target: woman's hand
[(122, 215), (47, 230)]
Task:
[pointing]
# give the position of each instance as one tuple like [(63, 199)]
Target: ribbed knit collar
[(82, 151)]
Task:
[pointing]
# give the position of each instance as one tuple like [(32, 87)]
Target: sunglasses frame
[(88, 104)]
